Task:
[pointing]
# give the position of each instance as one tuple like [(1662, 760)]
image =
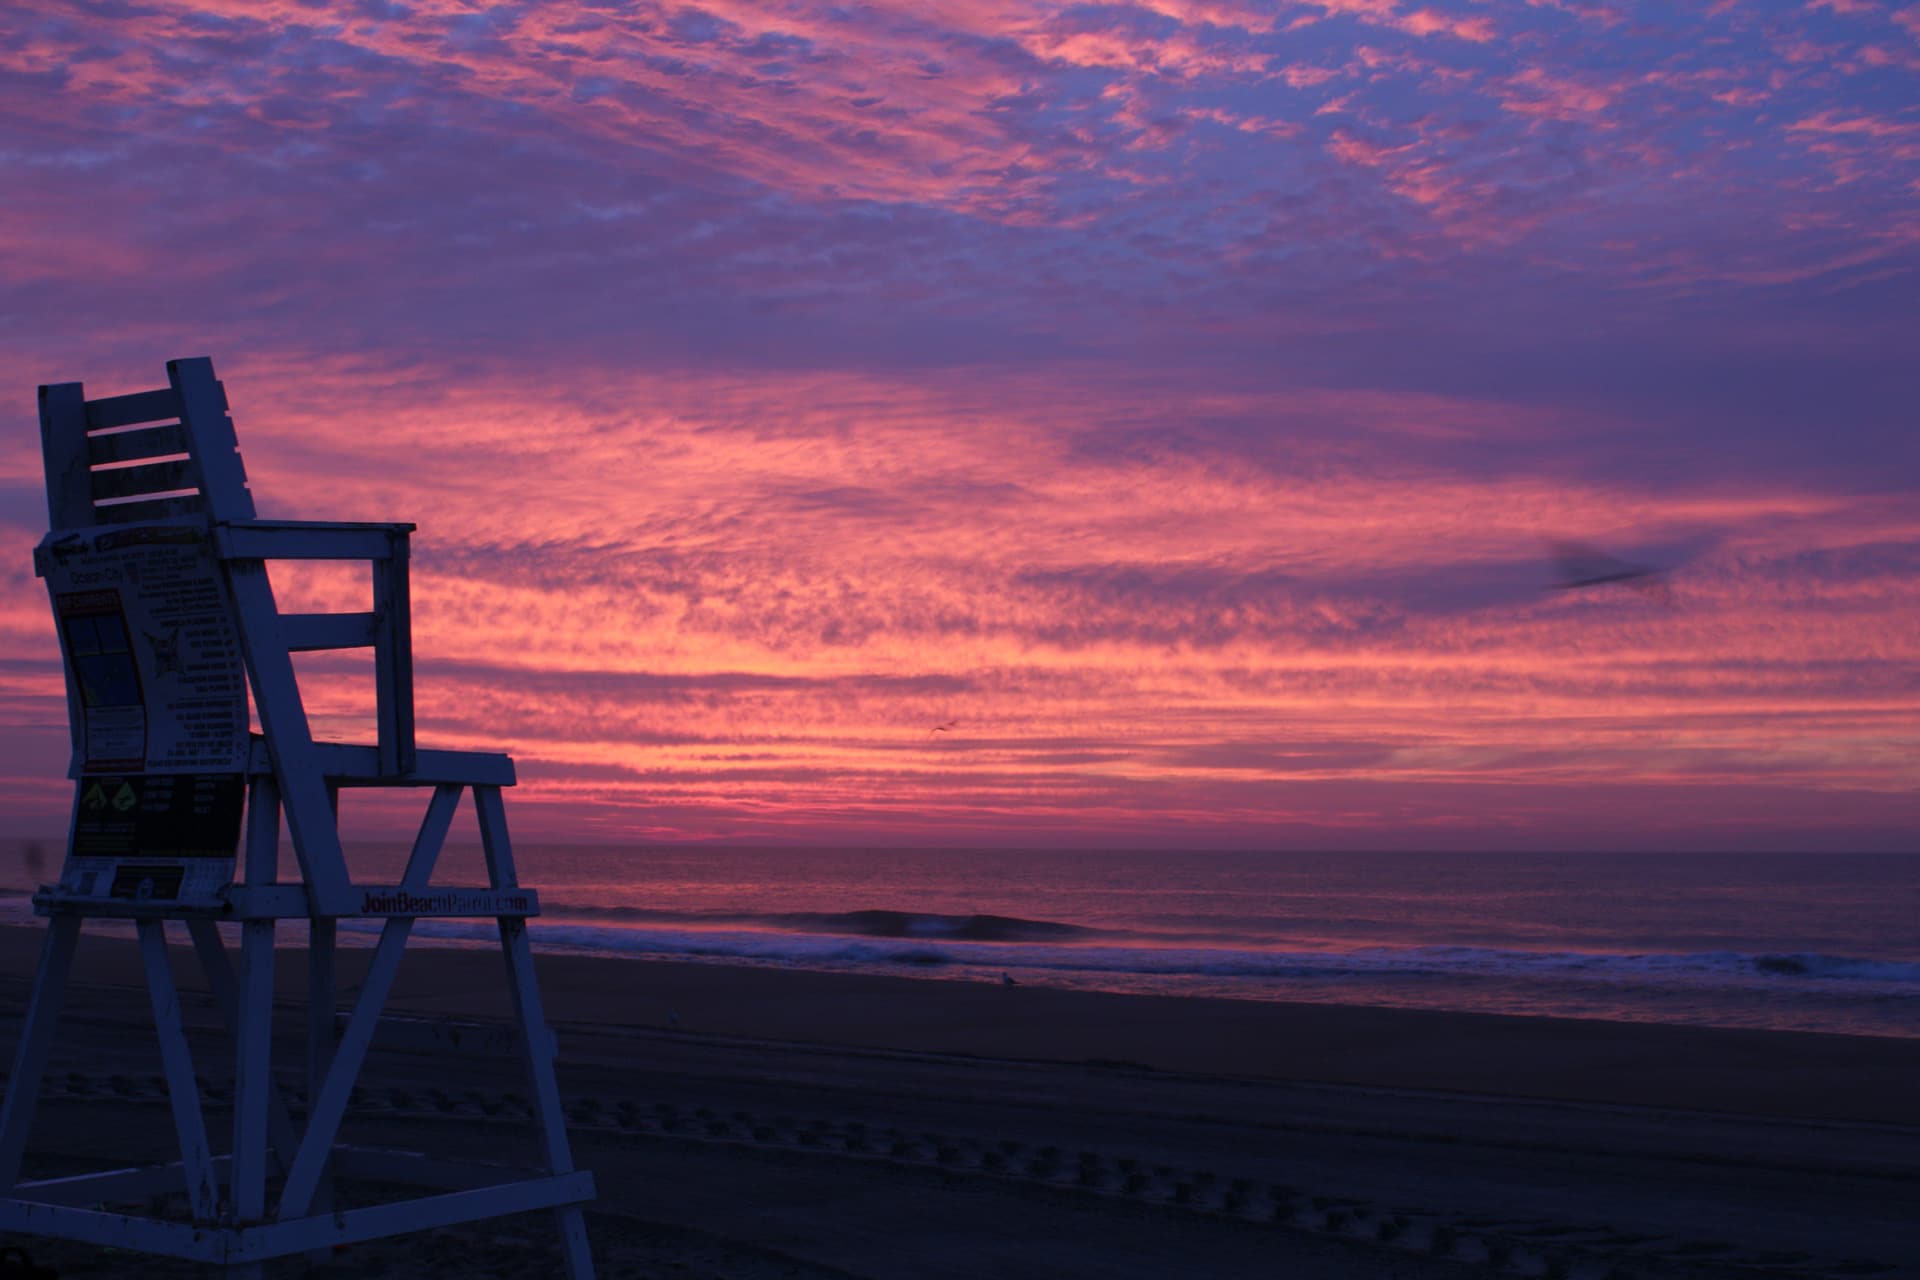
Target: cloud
[(1147, 387)]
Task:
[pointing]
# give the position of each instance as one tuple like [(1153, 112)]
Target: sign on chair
[(156, 568), (160, 710)]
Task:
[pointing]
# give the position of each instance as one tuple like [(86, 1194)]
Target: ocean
[(1809, 942)]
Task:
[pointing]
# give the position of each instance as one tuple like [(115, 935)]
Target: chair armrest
[(388, 628), (309, 540)]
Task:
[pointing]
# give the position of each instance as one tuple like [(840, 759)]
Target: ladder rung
[(160, 440), (148, 478), (124, 411), (160, 506)]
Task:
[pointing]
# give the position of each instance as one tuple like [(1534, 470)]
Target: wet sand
[(747, 1122)]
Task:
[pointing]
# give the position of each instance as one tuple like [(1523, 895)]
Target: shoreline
[(1821, 984), (1790, 1075), (816, 1126)]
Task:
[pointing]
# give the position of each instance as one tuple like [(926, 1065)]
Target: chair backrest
[(156, 684), (150, 455), (156, 566)]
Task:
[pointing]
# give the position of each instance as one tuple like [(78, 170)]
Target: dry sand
[(752, 1122)]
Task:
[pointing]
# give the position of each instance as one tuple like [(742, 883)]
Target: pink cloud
[(1305, 77), (1427, 22), (1478, 29), (1870, 126), (1534, 92), (1600, 14)]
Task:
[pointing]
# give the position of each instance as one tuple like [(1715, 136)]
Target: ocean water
[(1787, 941)]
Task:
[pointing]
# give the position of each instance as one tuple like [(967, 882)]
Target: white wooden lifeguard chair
[(157, 570)]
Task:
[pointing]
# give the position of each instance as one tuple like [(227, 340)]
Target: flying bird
[(943, 728), (1580, 566)]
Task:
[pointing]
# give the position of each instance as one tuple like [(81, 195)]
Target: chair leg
[(329, 1104), (36, 1039), (183, 1090), (253, 1083), (223, 986), (536, 1055), (321, 934), (536, 1040)]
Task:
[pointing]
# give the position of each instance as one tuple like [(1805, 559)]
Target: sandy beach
[(760, 1122)]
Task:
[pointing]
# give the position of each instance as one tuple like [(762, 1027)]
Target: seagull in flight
[(948, 727), (1582, 566)]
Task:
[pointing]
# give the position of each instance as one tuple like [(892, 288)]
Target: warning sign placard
[(153, 662)]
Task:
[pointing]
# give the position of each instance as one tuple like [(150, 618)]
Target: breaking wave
[(865, 939), (874, 923)]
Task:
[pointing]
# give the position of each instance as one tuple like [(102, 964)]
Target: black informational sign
[(158, 815)]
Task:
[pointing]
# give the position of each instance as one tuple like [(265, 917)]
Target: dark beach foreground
[(756, 1122)]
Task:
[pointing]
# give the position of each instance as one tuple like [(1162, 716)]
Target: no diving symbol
[(96, 797)]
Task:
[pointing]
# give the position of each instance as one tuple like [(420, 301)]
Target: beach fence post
[(157, 569)]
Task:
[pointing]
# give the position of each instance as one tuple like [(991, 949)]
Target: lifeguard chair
[(157, 570)]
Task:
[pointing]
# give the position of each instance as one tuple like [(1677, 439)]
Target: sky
[(1007, 422)]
